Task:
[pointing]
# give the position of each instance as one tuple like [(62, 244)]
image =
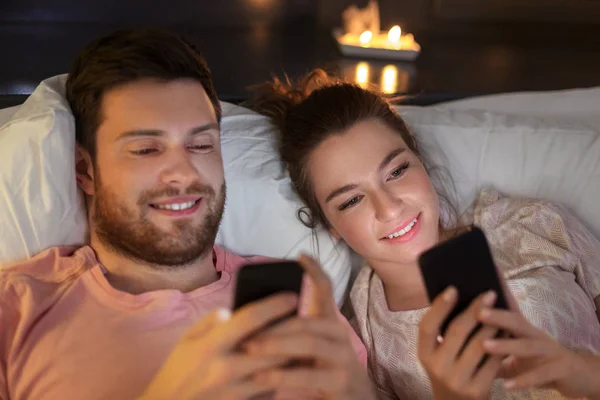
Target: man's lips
[(176, 200)]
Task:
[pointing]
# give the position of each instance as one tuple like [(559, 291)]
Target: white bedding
[(6, 114), (479, 147)]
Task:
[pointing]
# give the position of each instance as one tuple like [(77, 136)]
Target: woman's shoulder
[(526, 234), (492, 209)]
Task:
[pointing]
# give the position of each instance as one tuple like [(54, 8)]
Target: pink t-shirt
[(66, 333)]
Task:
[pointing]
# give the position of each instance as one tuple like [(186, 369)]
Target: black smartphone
[(466, 263), (257, 281)]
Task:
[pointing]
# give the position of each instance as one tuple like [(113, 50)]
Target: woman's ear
[(84, 170), (334, 233)]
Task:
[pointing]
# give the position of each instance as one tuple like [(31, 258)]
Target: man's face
[(158, 189)]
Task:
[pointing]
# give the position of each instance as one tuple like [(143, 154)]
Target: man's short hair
[(123, 57)]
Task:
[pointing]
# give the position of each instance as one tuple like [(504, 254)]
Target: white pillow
[(39, 203), (572, 104), (41, 207), (521, 156), (6, 114), (260, 215)]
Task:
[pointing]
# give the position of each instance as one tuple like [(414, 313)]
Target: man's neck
[(132, 276)]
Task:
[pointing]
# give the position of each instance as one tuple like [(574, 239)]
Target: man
[(142, 311)]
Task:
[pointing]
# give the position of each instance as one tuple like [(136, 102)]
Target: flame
[(362, 74), (389, 79), (365, 37), (394, 34)]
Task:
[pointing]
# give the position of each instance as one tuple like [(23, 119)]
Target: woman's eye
[(349, 203), (397, 173)]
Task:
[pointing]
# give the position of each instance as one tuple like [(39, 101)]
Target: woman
[(362, 175)]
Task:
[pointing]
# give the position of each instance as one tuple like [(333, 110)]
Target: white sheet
[(581, 105), (7, 113)]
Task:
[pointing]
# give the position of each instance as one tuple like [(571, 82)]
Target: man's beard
[(132, 234)]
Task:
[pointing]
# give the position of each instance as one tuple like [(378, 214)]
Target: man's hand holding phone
[(247, 355), (205, 364), (329, 367)]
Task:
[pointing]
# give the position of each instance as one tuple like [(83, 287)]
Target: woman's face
[(376, 193)]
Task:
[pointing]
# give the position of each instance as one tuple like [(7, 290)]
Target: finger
[(509, 367), (298, 394), (237, 367), (241, 390), (473, 353), (312, 379), (509, 321), (215, 317), (249, 319), (508, 296), (321, 300), (302, 347), (429, 327), (325, 328), (521, 348), (462, 326), (538, 376), (484, 377)]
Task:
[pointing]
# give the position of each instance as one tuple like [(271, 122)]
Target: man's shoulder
[(53, 267), (231, 262)]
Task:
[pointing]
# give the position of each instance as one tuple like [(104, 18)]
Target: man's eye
[(143, 152), (202, 147)]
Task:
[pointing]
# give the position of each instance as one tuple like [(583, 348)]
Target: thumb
[(213, 319)]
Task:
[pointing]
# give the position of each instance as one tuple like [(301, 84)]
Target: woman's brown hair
[(311, 110)]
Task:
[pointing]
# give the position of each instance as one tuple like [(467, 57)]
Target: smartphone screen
[(258, 281), (466, 263)]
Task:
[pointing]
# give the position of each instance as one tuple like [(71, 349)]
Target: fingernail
[(450, 293), (489, 344), (489, 298), (510, 384), (223, 314)]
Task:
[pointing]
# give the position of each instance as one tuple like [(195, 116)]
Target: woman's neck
[(403, 286)]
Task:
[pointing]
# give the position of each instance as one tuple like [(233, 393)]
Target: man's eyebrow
[(157, 132)]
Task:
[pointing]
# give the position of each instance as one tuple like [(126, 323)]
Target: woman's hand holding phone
[(537, 360), (457, 364)]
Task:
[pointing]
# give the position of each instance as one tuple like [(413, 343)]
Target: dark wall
[(540, 19), (200, 13)]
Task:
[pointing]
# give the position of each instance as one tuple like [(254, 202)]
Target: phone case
[(466, 263), (257, 281)]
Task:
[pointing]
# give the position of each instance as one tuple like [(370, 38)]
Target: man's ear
[(84, 170)]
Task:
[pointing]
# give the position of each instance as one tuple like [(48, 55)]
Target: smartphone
[(257, 281), (466, 263)]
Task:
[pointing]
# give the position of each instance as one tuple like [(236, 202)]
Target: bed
[(543, 144)]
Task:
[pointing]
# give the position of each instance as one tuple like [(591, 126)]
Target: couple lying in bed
[(143, 311)]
